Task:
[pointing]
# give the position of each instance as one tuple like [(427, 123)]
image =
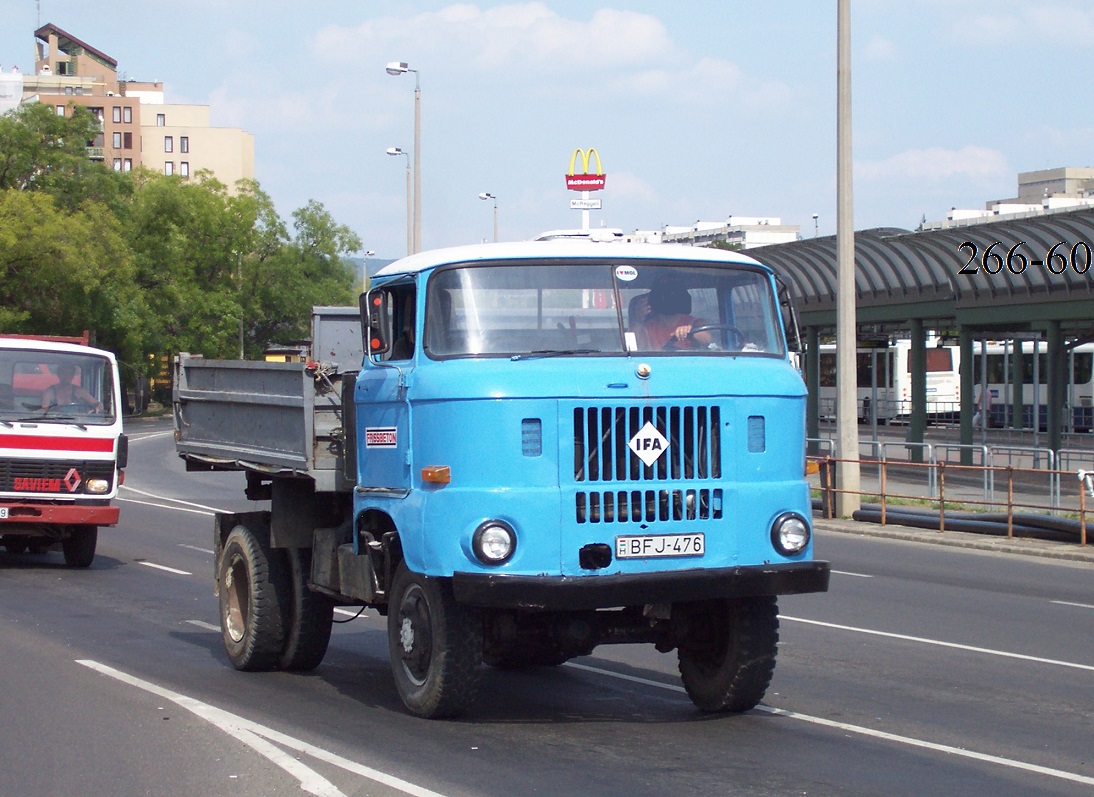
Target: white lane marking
[(245, 731), (848, 573), (133, 438), (164, 568), (941, 644), (196, 548), (864, 731), (205, 625), (164, 506), (350, 612), (1069, 603), (147, 494)]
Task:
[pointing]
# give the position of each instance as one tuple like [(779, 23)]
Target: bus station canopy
[(1010, 281)]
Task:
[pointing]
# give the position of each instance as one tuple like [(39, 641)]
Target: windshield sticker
[(626, 273)]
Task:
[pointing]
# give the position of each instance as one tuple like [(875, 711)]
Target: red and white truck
[(62, 450)]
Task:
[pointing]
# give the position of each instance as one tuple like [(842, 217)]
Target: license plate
[(3, 513), (648, 546)]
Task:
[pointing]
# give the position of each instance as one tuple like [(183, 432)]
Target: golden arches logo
[(585, 180)]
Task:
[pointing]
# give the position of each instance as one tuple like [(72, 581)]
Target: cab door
[(382, 393)]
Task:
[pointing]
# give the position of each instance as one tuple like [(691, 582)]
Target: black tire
[(14, 543), (79, 545), (255, 584), (310, 617), (729, 657), (435, 646)]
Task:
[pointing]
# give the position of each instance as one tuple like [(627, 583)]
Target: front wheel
[(728, 657), (435, 646), (254, 583), (79, 546)]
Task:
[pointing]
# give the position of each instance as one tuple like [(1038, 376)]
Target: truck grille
[(601, 454), (45, 475)]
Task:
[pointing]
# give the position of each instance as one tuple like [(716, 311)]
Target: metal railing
[(1022, 493)]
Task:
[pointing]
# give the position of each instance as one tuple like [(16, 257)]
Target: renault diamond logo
[(648, 444)]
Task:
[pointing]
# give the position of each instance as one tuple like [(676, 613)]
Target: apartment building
[(139, 128)]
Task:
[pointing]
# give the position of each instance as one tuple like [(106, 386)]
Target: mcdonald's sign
[(585, 180)]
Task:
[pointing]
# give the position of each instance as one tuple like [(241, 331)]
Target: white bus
[(1079, 370), (885, 381)]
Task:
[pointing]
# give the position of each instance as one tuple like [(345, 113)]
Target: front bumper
[(68, 514), (575, 593)]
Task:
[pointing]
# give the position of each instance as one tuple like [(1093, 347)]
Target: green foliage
[(62, 273), (309, 270), (153, 264), (40, 150)]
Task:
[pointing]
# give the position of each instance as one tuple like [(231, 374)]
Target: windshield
[(540, 309), (45, 386)]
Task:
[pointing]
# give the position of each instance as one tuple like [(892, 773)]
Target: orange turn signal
[(437, 474)]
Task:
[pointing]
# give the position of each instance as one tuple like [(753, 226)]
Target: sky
[(699, 109)]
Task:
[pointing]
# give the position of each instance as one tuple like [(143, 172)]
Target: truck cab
[(62, 450)]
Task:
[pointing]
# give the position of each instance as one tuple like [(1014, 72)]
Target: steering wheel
[(728, 329), (72, 408)]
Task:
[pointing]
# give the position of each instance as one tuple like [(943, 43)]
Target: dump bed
[(277, 418)]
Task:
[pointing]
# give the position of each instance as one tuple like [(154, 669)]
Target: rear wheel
[(435, 645), (14, 543), (255, 583), (728, 658), (79, 545), (310, 615)]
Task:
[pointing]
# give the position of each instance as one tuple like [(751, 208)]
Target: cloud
[(935, 164), (879, 49), (1051, 24), (625, 185), (519, 34), (612, 53)]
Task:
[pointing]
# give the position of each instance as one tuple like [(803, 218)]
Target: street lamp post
[(816, 227), (364, 270), (409, 223), (399, 68), (485, 195)]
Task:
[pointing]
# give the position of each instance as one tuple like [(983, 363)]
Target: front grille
[(647, 506), (693, 454), (601, 435), (40, 472)]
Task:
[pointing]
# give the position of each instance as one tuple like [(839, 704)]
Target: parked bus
[(999, 357), (885, 381)]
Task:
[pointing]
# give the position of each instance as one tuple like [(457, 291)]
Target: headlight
[(97, 486), (790, 533), (494, 542)]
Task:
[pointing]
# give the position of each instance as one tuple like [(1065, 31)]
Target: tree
[(64, 272), (40, 150), (282, 287), (189, 239)]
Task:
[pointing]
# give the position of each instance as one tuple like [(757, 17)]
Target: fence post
[(942, 496), (1010, 501), (884, 470)]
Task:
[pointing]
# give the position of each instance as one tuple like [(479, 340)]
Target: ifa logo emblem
[(648, 444)]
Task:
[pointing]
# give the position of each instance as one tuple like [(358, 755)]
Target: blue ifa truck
[(516, 453)]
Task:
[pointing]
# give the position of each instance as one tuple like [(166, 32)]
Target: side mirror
[(790, 318), (374, 314)]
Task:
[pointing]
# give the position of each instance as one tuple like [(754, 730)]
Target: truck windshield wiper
[(534, 355), (50, 418)]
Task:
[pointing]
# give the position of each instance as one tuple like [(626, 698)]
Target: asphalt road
[(925, 670)]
